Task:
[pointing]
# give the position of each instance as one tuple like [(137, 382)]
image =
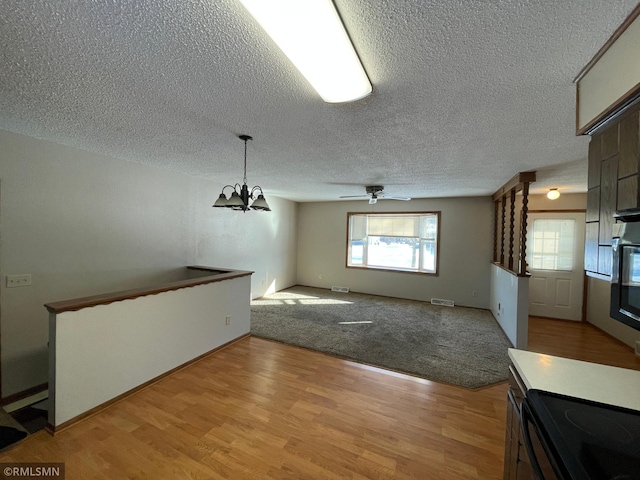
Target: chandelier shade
[(260, 203), (241, 196), (221, 202)]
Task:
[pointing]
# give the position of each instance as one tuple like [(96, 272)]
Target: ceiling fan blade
[(374, 192), (393, 197)]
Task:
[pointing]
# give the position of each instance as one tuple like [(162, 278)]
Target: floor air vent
[(340, 289), (440, 301)]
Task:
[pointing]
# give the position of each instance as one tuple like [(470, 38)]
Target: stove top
[(590, 440)]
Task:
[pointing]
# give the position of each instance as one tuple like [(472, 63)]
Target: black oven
[(581, 439), (625, 272)]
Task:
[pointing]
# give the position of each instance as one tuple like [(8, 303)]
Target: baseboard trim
[(55, 429)]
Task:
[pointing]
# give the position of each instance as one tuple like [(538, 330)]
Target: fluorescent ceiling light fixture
[(311, 35)]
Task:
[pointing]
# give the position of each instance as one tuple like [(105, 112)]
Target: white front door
[(555, 255)]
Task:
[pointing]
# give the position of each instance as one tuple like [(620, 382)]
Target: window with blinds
[(394, 241)]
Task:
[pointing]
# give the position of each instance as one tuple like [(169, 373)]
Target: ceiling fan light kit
[(241, 195), (375, 192), (311, 34)]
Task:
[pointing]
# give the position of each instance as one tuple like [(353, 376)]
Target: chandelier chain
[(245, 161)]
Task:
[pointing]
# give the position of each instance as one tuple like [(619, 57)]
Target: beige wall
[(466, 245), (83, 223), (567, 201), (262, 242), (598, 303)]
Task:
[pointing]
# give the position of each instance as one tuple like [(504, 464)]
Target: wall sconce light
[(553, 194), (240, 197)]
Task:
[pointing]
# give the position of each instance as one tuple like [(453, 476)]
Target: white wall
[(104, 351), (510, 305), (83, 223), (466, 243)]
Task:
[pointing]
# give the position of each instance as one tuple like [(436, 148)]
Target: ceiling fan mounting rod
[(374, 188)]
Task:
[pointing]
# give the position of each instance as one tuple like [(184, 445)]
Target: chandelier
[(240, 196)]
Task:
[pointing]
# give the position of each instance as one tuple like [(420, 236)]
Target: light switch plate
[(18, 280)]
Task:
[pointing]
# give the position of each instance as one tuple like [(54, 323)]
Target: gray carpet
[(456, 345)]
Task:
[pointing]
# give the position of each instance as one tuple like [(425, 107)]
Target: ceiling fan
[(374, 192)]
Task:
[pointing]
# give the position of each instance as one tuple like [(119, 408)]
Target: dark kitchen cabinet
[(516, 461), (614, 163), (517, 465), (608, 196)]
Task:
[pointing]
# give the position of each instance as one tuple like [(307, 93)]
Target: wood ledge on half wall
[(512, 272), (216, 275)]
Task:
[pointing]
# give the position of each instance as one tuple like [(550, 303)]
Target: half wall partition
[(106, 347)]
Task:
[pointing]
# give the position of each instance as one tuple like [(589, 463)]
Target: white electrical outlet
[(475, 294), (18, 280), (227, 320)]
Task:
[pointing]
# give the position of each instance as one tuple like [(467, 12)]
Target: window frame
[(365, 266)]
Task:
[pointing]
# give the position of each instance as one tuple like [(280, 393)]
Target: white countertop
[(591, 381)]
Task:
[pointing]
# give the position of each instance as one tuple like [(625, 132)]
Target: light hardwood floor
[(262, 410), (580, 341)]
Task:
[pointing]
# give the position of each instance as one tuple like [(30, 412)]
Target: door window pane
[(553, 243)]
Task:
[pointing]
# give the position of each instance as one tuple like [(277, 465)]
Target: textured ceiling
[(467, 93)]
